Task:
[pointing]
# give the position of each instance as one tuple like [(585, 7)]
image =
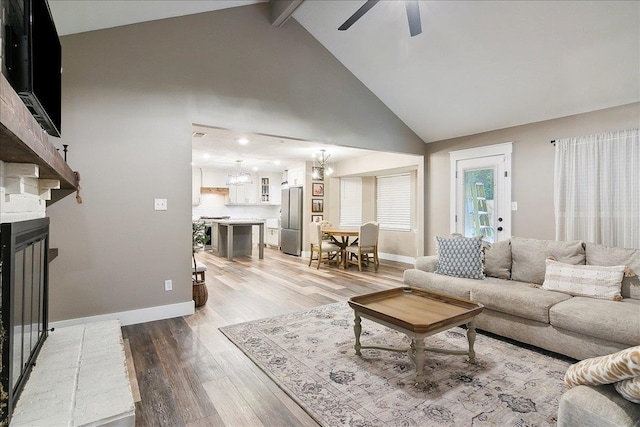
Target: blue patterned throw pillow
[(460, 257)]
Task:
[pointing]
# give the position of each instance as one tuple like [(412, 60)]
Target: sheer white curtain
[(597, 189)]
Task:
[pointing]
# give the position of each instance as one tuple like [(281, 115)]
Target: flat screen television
[(33, 60)]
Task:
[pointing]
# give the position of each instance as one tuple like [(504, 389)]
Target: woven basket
[(200, 293)]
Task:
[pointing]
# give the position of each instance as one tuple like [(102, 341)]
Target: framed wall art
[(317, 173), (317, 189), (316, 218), (317, 205)]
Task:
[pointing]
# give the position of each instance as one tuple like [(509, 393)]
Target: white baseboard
[(397, 258), (133, 317)]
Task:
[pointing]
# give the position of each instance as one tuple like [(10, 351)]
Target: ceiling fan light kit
[(413, 16)]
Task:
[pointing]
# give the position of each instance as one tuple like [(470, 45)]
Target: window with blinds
[(393, 201), (350, 202)]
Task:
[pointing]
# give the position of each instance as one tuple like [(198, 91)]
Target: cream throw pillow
[(629, 389), (612, 368), (584, 280)]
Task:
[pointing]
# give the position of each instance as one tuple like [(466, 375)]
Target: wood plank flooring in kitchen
[(188, 374)]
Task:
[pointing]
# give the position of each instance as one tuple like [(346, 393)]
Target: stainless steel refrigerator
[(291, 221)]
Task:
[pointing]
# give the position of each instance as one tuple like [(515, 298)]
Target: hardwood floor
[(188, 374)]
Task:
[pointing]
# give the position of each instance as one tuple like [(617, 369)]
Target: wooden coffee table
[(418, 314)]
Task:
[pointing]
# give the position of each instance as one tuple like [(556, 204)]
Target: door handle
[(499, 228)]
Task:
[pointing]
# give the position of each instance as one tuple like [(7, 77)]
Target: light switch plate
[(514, 206), (160, 204)]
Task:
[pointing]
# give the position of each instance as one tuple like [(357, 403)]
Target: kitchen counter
[(234, 237)]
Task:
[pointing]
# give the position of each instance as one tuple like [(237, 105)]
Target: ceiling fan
[(413, 15)]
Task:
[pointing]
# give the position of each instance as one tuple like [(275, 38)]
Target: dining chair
[(366, 244), (319, 246), (325, 224)]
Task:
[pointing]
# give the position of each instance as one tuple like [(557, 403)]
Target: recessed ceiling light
[(276, 162), (255, 168), (206, 155), (242, 141)]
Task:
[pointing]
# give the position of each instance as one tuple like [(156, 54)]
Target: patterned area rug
[(310, 355)]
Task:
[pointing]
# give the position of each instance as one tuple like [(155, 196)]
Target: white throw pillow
[(584, 280)]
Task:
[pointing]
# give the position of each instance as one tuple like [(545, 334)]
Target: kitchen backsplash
[(214, 205)]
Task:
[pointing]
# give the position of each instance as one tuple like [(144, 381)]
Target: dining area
[(344, 246)]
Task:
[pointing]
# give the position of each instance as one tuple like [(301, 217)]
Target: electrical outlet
[(160, 204), (168, 285)]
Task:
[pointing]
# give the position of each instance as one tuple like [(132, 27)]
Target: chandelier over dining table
[(321, 165)]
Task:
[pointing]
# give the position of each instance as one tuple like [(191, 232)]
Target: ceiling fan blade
[(363, 9), (413, 15)]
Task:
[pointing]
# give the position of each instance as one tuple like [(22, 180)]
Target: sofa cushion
[(460, 257), (427, 263), (617, 321), (604, 255), (448, 285), (516, 298), (629, 389), (528, 256), (497, 260), (596, 406), (621, 365), (602, 282)]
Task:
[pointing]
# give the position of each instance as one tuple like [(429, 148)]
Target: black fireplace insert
[(24, 267)]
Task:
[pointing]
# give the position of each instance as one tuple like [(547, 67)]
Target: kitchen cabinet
[(295, 176), (265, 190), (243, 194), (273, 237), (270, 186), (196, 183)]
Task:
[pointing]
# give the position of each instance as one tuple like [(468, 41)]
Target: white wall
[(532, 168), (395, 245), (130, 97)]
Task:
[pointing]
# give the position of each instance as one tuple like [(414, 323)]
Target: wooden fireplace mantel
[(22, 140)]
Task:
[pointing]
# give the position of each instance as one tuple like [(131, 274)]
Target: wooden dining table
[(340, 236)]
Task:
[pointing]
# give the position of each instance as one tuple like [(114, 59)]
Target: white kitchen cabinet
[(273, 237), (271, 187), (244, 194), (196, 183), (265, 190), (295, 176)]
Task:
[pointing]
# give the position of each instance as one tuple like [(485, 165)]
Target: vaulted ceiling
[(476, 66)]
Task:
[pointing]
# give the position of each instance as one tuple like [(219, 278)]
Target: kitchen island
[(234, 237)]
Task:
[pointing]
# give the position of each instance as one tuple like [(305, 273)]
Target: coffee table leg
[(471, 337), (357, 328), (418, 348)]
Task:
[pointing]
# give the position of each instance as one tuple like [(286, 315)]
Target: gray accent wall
[(532, 168), (130, 96)]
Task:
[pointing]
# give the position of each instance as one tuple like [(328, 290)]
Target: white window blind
[(350, 202), (393, 201)]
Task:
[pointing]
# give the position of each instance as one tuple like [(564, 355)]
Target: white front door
[(481, 192)]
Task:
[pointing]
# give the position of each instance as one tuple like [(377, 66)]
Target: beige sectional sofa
[(576, 326)]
